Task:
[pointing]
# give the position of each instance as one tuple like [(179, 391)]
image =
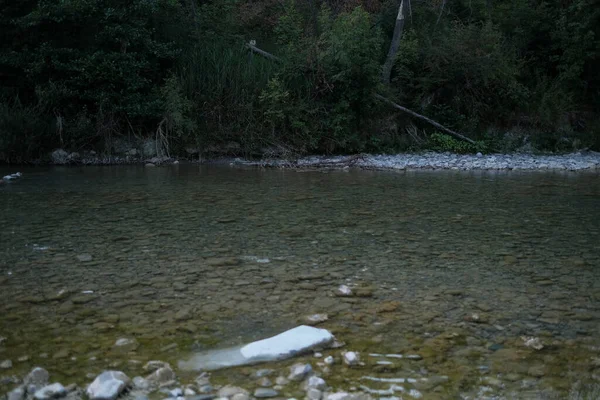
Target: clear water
[(455, 266)]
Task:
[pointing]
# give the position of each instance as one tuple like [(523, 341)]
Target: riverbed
[(461, 268)]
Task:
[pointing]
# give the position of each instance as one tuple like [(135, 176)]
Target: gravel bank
[(440, 161)]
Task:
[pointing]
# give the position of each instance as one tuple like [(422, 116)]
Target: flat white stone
[(285, 345)]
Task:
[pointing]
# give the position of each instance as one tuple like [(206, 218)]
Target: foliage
[(77, 72), (444, 143), (23, 131)]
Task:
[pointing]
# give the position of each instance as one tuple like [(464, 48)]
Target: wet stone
[(53, 391), (262, 393), (108, 385), (299, 371), (16, 394)]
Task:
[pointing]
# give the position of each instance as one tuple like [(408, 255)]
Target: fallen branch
[(263, 53), (424, 118)]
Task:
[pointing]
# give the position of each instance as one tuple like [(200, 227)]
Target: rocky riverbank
[(580, 161), (444, 161)]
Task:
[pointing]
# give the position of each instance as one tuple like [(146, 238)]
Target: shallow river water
[(460, 268)]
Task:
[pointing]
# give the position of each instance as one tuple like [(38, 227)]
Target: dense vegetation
[(83, 74)]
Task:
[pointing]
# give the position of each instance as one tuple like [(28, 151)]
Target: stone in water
[(108, 385), (285, 345)]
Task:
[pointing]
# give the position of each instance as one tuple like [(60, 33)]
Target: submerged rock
[(285, 345), (125, 345), (231, 391), (108, 385), (351, 358), (54, 391), (299, 371), (16, 394), (161, 376), (36, 379), (262, 393)]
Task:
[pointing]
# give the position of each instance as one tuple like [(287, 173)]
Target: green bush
[(444, 143), (25, 132)]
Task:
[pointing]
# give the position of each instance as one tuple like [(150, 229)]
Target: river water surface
[(460, 268)]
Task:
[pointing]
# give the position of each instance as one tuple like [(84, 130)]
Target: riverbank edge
[(580, 161)]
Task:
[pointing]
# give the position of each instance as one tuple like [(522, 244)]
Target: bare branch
[(424, 118)]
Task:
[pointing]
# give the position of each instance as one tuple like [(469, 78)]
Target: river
[(461, 268)]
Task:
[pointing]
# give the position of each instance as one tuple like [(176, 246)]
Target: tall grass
[(224, 83)]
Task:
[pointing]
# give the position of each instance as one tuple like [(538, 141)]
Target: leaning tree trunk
[(398, 29)]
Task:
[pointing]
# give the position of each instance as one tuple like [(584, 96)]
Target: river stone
[(285, 345), (37, 378), (351, 358), (240, 396), (16, 394), (281, 381), (314, 394), (315, 382), (59, 156), (299, 371), (84, 257), (108, 385), (125, 345), (348, 396), (6, 364), (141, 383), (53, 391), (262, 393), (265, 382), (315, 319), (161, 375), (153, 365), (230, 391)]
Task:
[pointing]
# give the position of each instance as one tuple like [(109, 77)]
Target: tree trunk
[(424, 118), (398, 29)]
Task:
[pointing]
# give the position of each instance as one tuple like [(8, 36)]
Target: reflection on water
[(454, 266)]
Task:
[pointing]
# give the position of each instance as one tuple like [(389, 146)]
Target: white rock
[(314, 394), (16, 394), (230, 391), (329, 360), (189, 392), (344, 290), (281, 381), (6, 364), (108, 385), (316, 382), (290, 343), (240, 396), (299, 371), (415, 394), (316, 318), (53, 391), (161, 375), (532, 342), (153, 365), (351, 358), (141, 383), (177, 392)]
